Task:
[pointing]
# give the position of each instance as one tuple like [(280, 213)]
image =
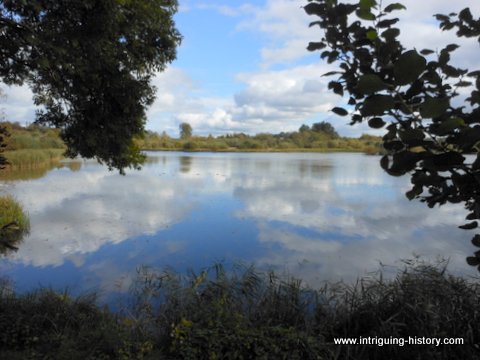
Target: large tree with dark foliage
[(89, 64), (413, 94)]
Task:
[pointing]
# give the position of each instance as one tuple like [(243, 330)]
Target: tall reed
[(243, 313), (29, 158)]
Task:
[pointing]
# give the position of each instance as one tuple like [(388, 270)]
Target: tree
[(304, 128), (185, 130), (89, 64), (3, 135), (411, 93), (326, 128)]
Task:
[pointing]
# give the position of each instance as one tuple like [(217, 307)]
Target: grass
[(247, 314), (30, 158), (12, 211)]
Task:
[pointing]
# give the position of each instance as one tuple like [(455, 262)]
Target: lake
[(312, 215)]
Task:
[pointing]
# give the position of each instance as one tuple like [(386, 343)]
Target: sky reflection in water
[(317, 216)]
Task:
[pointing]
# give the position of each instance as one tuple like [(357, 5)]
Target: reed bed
[(14, 223), (243, 313), (12, 211), (31, 158)]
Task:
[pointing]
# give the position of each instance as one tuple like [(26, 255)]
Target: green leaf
[(365, 15), (336, 86), (367, 4), (395, 6), (312, 46), (372, 35), (469, 226), (414, 192), (390, 34), (340, 111), (408, 135), (409, 66), (370, 83), (434, 107), (451, 47), (376, 123), (444, 58), (314, 9), (393, 145), (384, 161), (331, 73), (426, 52), (476, 240), (463, 84), (377, 105), (473, 261), (475, 73), (403, 162), (449, 125), (387, 23), (443, 162)]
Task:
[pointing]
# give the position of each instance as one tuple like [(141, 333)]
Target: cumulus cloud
[(284, 89), (76, 213), (309, 213), (17, 104), (287, 89), (328, 223), (270, 101), (284, 26)]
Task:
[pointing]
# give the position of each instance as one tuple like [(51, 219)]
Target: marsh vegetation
[(14, 223), (242, 313)]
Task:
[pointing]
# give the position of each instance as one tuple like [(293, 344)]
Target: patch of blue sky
[(59, 278), (213, 50)]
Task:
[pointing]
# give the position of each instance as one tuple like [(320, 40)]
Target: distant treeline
[(33, 145), (319, 137)]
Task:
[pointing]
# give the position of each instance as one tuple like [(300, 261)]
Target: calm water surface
[(317, 216)]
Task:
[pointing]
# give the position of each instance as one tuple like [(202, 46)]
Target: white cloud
[(227, 10), (17, 104), (284, 98), (284, 25), (76, 213), (286, 89)]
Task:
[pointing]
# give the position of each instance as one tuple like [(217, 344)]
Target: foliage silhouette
[(413, 94), (89, 64)]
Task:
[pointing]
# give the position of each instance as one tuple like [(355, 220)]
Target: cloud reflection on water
[(319, 216)]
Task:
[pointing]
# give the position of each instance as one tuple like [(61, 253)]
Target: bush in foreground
[(246, 314)]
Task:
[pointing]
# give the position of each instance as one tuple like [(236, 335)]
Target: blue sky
[(243, 67)]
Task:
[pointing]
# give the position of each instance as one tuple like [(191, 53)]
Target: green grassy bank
[(304, 141), (14, 223), (37, 146), (246, 314)]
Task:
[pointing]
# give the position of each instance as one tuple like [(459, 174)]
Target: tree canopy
[(186, 130), (326, 128), (414, 94), (89, 64)]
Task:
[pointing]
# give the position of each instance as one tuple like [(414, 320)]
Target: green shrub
[(219, 315), (246, 314)]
